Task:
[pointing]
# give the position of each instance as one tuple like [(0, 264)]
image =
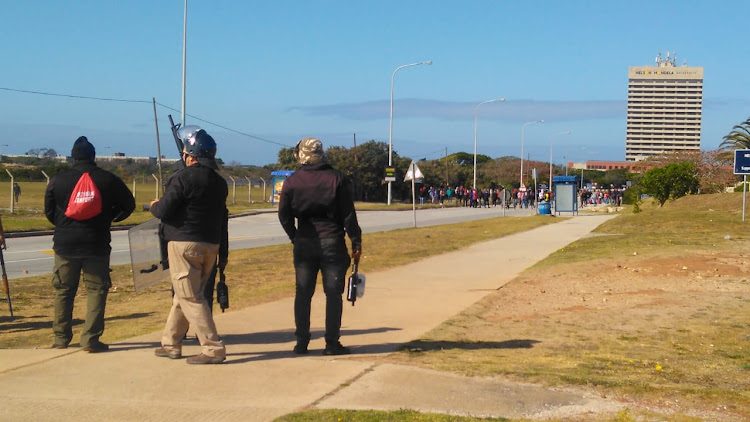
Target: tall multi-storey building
[(665, 104)]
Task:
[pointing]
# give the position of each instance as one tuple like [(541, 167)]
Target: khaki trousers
[(190, 264)]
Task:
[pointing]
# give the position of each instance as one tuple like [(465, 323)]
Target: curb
[(11, 235)]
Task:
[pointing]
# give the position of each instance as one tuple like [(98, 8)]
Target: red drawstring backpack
[(85, 202)]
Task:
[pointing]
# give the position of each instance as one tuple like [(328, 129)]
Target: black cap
[(83, 150)]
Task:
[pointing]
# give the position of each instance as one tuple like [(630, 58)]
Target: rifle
[(178, 142), (180, 165), (6, 288)]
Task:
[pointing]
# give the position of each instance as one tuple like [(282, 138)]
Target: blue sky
[(283, 70)]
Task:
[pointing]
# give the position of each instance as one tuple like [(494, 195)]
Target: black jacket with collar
[(193, 207), (90, 237), (320, 199)]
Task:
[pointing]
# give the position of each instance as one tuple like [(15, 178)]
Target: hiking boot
[(336, 349), (202, 359), (164, 353), (300, 349), (59, 346), (96, 347)]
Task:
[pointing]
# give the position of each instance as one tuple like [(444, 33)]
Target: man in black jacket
[(319, 198), (83, 246), (194, 223)]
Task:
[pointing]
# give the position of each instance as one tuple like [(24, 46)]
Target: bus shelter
[(277, 181), (566, 198)]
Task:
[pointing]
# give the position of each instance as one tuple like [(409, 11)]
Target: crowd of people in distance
[(515, 198), (596, 196), (481, 198)]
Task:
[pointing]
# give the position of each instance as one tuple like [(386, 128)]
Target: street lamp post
[(522, 129), (476, 112), (567, 132), (390, 129), (581, 177)]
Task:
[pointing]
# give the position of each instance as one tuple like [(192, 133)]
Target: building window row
[(664, 123), (661, 83)]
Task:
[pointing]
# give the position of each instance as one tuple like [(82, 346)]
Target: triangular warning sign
[(413, 173)]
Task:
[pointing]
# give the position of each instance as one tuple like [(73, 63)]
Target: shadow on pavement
[(426, 346), (131, 316), (30, 323)]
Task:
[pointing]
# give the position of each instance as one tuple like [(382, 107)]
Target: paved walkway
[(262, 380)]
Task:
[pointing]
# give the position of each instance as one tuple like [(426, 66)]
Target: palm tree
[(738, 138)]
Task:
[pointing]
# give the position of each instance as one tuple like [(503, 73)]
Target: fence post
[(234, 189), (156, 185), (249, 192), (45, 175), (264, 189), (133, 188), (12, 197)]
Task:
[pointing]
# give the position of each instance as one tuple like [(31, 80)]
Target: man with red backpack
[(82, 203)]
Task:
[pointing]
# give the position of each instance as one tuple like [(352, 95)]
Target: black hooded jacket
[(90, 237)]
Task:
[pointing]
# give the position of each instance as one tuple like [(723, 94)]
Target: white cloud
[(509, 111)]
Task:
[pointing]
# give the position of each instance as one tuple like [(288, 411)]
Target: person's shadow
[(286, 338)]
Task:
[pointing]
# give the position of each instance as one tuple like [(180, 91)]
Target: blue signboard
[(742, 161), (278, 177)]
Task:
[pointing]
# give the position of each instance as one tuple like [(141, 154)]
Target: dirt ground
[(666, 335), (670, 315)]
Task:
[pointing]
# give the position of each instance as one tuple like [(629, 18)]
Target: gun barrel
[(178, 142)]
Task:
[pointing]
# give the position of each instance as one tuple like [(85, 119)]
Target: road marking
[(248, 237), (29, 259)]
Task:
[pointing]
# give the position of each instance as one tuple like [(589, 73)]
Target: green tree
[(366, 170), (672, 181), (286, 160)]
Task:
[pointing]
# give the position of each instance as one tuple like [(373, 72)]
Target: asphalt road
[(27, 256)]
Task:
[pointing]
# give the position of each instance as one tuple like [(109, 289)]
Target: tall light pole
[(390, 129), (476, 112), (522, 129), (184, 60), (567, 132)]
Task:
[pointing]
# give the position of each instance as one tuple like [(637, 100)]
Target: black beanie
[(83, 150)]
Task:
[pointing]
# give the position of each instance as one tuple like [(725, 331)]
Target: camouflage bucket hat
[(309, 151)]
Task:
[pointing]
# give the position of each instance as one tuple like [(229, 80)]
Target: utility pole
[(446, 167), (158, 143)]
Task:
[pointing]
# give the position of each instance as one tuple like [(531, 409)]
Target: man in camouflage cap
[(320, 199)]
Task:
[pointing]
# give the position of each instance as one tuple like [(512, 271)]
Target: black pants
[(331, 259)]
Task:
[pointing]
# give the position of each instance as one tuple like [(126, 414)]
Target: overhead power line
[(82, 97), (224, 127), (85, 97)]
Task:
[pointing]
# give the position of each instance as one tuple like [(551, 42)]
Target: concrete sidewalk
[(262, 379)]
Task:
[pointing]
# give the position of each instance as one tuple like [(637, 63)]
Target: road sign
[(742, 161), (413, 173), (390, 174)]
